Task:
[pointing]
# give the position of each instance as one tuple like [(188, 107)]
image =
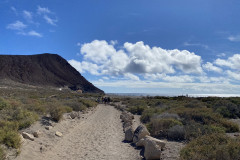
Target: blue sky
[(157, 46)]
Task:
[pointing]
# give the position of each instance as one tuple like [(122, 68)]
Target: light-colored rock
[(159, 142), (37, 133), (140, 132), (28, 136), (48, 127), (152, 150), (21, 139), (152, 147), (129, 134), (59, 134), (73, 114)]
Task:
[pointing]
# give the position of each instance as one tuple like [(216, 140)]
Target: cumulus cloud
[(233, 75), (232, 62), (210, 67), (137, 59), (18, 25)]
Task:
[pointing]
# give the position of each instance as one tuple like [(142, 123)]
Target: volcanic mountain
[(43, 70)]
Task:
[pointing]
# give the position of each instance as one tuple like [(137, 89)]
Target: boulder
[(151, 150), (28, 136), (22, 139), (129, 134), (48, 127), (59, 134), (140, 132), (152, 147), (37, 133), (144, 140), (73, 114), (126, 125)]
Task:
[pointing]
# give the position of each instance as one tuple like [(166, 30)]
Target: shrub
[(148, 113), (176, 132), (24, 118), (136, 109), (2, 154), (76, 106), (159, 127), (9, 135), (88, 103), (194, 130), (214, 146), (3, 104), (56, 113)]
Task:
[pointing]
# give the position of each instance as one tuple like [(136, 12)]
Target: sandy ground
[(96, 135)]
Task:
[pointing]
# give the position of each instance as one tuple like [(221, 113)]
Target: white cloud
[(131, 76), (27, 15), (235, 38), (234, 75), (14, 10), (50, 20), (221, 55), (34, 33), (43, 10), (210, 67), (232, 62), (18, 25), (137, 59), (30, 33), (196, 44)]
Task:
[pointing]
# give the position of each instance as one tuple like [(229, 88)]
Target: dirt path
[(99, 136)]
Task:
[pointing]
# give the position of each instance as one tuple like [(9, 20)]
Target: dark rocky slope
[(43, 70)]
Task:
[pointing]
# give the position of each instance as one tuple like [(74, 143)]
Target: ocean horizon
[(174, 95)]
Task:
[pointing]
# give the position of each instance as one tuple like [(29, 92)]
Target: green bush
[(212, 147), (159, 127), (3, 104), (194, 130), (56, 113), (24, 118), (9, 134), (2, 154), (88, 103), (136, 109), (148, 113)]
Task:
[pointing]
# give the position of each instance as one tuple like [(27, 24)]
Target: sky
[(133, 46)]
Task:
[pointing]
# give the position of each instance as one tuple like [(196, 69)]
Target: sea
[(173, 95)]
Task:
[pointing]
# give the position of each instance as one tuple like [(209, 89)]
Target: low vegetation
[(20, 108), (193, 120), (213, 146)]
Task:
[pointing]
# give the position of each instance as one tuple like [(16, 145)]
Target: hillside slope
[(43, 70)]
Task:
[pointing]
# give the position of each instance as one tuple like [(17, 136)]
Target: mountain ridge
[(43, 70)]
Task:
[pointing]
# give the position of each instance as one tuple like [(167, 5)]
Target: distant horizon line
[(175, 95)]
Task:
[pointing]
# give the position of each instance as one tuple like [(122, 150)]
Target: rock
[(129, 134), (73, 115), (37, 133), (236, 134), (126, 125), (152, 147), (143, 141), (21, 139), (140, 132), (48, 127), (28, 136), (59, 134)]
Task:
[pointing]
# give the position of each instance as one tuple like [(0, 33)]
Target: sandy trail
[(99, 136)]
